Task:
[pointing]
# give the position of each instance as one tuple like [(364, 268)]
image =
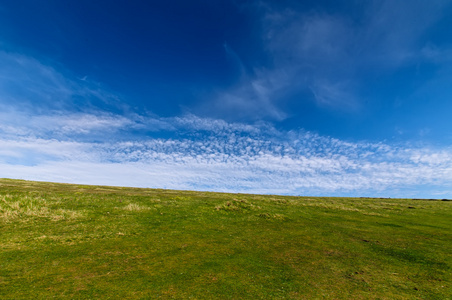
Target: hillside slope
[(73, 242)]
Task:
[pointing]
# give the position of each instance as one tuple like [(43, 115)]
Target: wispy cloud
[(60, 124), (327, 54), (26, 81)]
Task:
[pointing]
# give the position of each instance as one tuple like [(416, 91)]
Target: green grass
[(94, 242)]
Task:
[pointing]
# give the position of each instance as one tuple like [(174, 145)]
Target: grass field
[(94, 242)]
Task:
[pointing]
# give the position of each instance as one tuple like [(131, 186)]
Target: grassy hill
[(97, 242)]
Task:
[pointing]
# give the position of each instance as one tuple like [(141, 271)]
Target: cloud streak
[(327, 57), (26, 81)]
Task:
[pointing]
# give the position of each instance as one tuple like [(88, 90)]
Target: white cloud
[(61, 124), (230, 157)]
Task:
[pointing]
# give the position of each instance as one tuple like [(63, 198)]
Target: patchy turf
[(76, 242)]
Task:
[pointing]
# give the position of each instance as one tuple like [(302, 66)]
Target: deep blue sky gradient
[(377, 72)]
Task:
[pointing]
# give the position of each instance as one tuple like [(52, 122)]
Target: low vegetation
[(95, 242)]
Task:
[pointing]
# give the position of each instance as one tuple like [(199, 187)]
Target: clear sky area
[(333, 98)]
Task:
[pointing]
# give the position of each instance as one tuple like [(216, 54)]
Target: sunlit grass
[(93, 242)]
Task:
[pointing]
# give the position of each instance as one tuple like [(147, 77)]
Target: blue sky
[(340, 98)]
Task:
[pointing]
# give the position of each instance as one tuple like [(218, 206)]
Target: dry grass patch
[(237, 205), (135, 207), (279, 217), (14, 208), (351, 207)]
